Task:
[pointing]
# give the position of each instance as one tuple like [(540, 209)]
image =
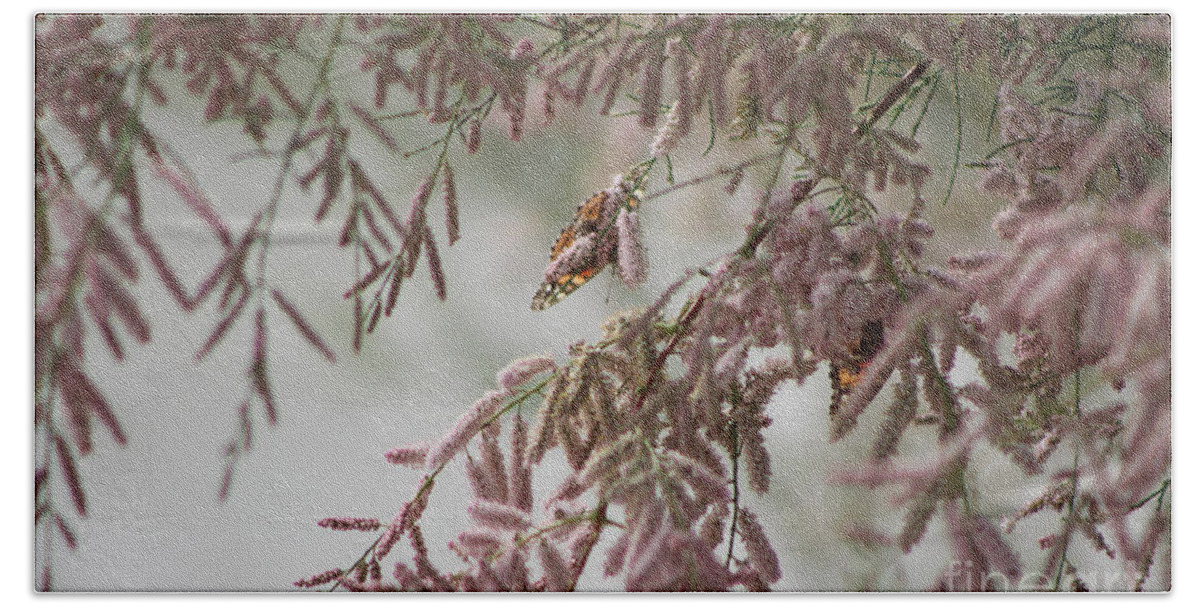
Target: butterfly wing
[(844, 376), (551, 292), (555, 288)]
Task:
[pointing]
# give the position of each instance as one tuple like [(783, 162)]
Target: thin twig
[(1071, 517), (1159, 493), (321, 82), (661, 360), (958, 130), (893, 95), (710, 176), (734, 454)]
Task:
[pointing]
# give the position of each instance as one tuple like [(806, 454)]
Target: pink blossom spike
[(522, 370), (631, 254)]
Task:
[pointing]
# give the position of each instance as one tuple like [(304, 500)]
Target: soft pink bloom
[(632, 265), (412, 456), (522, 370), (466, 428), (498, 516)]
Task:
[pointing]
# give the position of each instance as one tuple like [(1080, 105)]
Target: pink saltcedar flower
[(362, 524), (158, 260), (761, 382), (492, 460), (570, 489), (651, 313), (1055, 497), (757, 458), (520, 474), (644, 522), (899, 414), (610, 75), (387, 541), (416, 540), (548, 106), (678, 563), (71, 475), (414, 509), (947, 350), (758, 547), (226, 483), (498, 517), (978, 543), (375, 127), (605, 462), (865, 535), (915, 521), (440, 112), (735, 180), (302, 325), (474, 136), (614, 560), (407, 579), (258, 368), (483, 579), (631, 253), (689, 442), (320, 579), (412, 456), (520, 371), (466, 428), (1046, 445), (578, 92), (77, 395), (749, 578), (435, 265), (575, 446), (477, 543), (731, 362), (191, 194), (556, 572), (651, 86), (707, 485), (418, 205), (713, 526), (582, 541), (68, 535), (521, 50), (1089, 527), (1048, 541), (516, 116), (450, 199), (484, 484), (758, 465), (543, 432), (512, 570), (656, 565), (121, 301)]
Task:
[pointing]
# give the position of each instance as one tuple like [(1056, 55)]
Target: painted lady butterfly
[(844, 375), (589, 242)]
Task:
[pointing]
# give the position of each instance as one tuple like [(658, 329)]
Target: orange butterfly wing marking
[(845, 376), (590, 210), (554, 290), (564, 242)]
